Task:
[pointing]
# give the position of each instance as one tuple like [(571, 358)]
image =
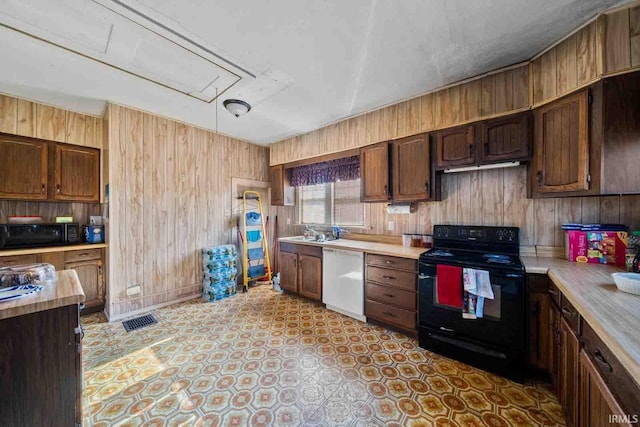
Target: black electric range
[(495, 342)]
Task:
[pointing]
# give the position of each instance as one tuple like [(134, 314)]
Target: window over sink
[(331, 203)]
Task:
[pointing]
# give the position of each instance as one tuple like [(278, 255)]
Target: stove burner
[(497, 258)]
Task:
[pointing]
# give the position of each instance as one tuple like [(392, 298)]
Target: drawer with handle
[(393, 296), (395, 278), (570, 314), (87, 254), (404, 319), (555, 293), (392, 262), (10, 261), (619, 381)]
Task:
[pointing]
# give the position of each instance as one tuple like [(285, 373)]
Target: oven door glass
[(503, 320)]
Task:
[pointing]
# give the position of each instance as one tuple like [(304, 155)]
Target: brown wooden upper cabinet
[(505, 139), (374, 173), (282, 194), (24, 168), (455, 147), (587, 143), (412, 175), (561, 150), (36, 169), (77, 173)]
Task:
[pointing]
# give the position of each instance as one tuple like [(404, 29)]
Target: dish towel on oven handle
[(477, 287)]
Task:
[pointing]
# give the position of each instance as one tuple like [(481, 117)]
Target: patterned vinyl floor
[(266, 359)]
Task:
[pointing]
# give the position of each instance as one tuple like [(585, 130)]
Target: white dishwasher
[(343, 282)]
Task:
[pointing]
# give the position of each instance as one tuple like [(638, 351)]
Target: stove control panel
[(507, 235)]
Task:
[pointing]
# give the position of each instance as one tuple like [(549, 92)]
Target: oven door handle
[(424, 276)]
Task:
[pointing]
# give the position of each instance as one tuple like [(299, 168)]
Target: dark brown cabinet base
[(41, 369), (391, 297), (589, 381), (301, 270)]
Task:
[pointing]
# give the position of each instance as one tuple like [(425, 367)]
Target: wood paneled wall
[(573, 63), (26, 118), (170, 196), (495, 197), (622, 39)]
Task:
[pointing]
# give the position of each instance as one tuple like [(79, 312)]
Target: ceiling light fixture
[(236, 107)]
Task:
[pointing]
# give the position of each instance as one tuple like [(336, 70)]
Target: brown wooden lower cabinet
[(568, 372), (301, 270), (541, 338), (391, 292), (592, 386), (310, 271), (554, 358), (88, 263), (9, 261), (41, 366), (91, 277), (288, 263), (598, 407)]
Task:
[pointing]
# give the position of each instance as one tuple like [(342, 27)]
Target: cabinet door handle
[(568, 312), (602, 361), (424, 276), (389, 277), (553, 292), (389, 314), (58, 188), (486, 147), (539, 178), (470, 150), (388, 262), (427, 189), (389, 295), (386, 191), (42, 190)]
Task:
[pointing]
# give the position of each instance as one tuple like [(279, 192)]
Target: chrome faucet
[(309, 232)]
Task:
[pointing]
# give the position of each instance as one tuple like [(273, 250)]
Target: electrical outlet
[(288, 221), (391, 226), (134, 290)]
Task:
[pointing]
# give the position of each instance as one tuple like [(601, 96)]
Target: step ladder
[(255, 249)]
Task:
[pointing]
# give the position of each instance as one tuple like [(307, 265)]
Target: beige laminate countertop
[(66, 290), (30, 251), (361, 246), (614, 315)]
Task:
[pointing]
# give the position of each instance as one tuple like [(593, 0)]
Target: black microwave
[(14, 236)]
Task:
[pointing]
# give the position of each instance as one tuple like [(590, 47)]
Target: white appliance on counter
[(343, 282)]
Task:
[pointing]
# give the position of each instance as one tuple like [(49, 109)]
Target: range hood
[(483, 167)]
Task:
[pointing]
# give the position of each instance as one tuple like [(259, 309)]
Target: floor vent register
[(139, 322)]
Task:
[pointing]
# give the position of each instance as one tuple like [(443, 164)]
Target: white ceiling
[(301, 63)]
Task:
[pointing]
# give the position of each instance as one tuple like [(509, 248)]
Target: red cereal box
[(596, 247)]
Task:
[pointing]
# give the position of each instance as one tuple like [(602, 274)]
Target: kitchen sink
[(309, 239)]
